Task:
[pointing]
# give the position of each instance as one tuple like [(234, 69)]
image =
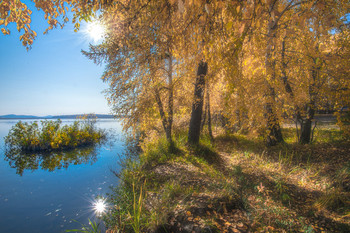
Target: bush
[(29, 137), (343, 121)]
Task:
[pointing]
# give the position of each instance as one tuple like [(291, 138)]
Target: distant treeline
[(75, 116)]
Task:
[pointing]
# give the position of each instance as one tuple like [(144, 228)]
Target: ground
[(236, 184)]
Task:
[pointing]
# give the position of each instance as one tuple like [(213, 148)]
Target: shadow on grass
[(233, 142), (292, 197), (213, 211), (329, 153), (208, 155), (327, 156)]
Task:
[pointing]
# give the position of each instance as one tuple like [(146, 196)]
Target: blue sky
[(53, 77)]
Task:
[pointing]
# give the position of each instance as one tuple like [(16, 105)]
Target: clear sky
[(53, 77)]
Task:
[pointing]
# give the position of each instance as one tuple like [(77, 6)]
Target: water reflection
[(41, 201), (100, 206), (50, 161)]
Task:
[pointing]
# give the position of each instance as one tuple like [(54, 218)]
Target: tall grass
[(137, 210), (93, 227)]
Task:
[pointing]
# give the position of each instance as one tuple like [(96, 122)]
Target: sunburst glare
[(95, 30), (100, 206)]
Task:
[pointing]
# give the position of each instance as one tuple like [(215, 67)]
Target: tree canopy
[(267, 62)]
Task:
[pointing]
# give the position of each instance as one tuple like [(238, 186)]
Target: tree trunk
[(167, 118), (165, 122), (168, 130), (207, 112), (209, 115), (306, 125), (197, 106), (274, 134), (287, 86), (305, 135), (160, 108), (289, 90), (204, 116)]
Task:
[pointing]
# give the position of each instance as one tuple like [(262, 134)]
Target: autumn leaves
[(268, 62)]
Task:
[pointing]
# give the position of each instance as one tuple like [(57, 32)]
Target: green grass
[(280, 189), (165, 191), (93, 227), (137, 209)]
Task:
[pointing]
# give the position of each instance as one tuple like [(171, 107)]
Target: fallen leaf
[(240, 224)]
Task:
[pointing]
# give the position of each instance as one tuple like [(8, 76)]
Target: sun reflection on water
[(100, 206)]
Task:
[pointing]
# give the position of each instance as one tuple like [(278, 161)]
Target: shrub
[(343, 121), (29, 137)]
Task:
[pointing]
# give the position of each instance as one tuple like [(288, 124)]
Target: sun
[(95, 30)]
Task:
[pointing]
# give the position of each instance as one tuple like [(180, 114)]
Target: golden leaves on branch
[(172, 2), (5, 31), (14, 11), (230, 35)]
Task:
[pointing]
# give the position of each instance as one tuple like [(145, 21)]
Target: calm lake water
[(46, 194)]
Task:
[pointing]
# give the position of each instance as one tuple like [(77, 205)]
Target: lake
[(46, 194)]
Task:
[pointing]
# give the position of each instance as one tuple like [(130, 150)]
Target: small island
[(51, 135)]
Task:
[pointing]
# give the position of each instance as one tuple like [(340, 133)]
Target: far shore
[(75, 116)]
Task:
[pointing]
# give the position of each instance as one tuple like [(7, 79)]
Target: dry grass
[(236, 184), (292, 187)]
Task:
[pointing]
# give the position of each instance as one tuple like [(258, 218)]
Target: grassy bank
[(235, 184)]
